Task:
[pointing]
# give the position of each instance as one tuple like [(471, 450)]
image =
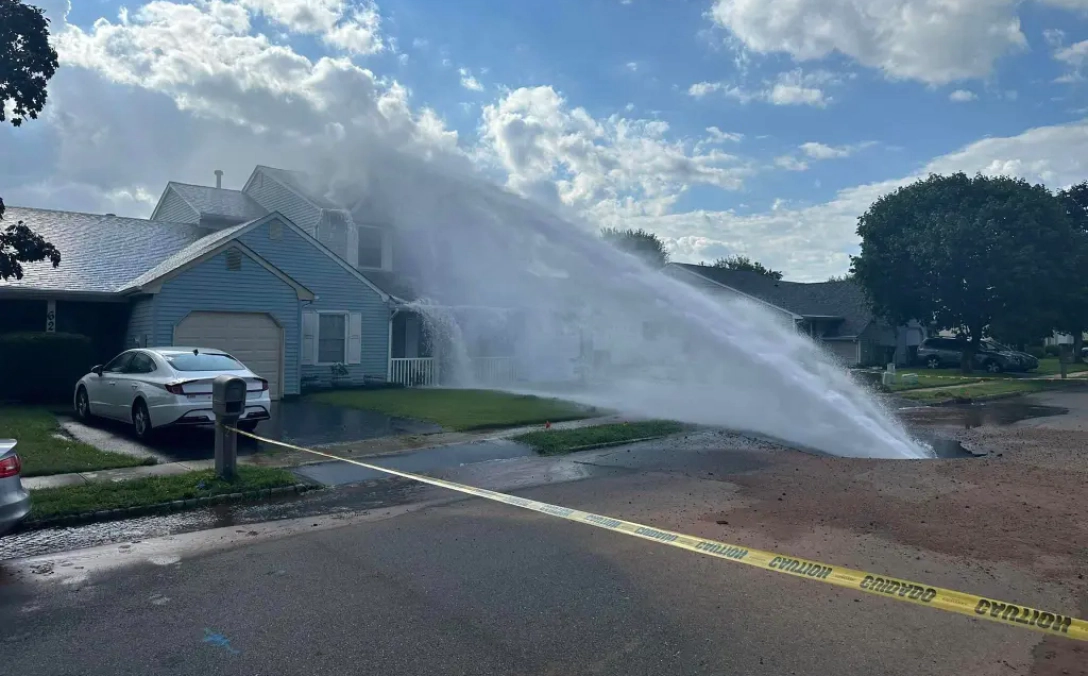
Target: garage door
[(253, 338)]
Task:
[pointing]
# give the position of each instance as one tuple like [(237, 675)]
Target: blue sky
[(727, 126)]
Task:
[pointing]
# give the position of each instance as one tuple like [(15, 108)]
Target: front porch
[(459, 357)]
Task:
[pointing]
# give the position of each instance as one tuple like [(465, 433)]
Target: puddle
[(950, 449), (969, 416)]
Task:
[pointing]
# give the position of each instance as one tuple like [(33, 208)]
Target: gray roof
[(394, 284), (186, 255), (840, 299), (301, 183), (98, 253), (218, 203)]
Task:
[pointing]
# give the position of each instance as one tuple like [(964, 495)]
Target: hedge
[(42, 368)]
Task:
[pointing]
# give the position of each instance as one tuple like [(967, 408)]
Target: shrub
[(1052, 350), (39, 368), (1037, 351)]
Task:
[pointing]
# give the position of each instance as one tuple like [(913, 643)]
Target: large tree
[(641, 243), (27, 62), (1073, 314), (745, 264), (962, 252)]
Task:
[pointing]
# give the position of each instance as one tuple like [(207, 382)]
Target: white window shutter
[(355, 338), (309, 337)]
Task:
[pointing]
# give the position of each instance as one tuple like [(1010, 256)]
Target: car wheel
[(141, 420), (933, 363), (993, 367), (83, 405), (248, 426)]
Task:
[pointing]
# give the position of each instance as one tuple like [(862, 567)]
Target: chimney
[(218, 178)]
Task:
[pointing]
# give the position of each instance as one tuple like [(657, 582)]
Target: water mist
[(465, 242)]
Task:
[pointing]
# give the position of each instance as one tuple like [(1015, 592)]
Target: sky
[(754, 127)]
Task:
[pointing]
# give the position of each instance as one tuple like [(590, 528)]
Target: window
[(119, 363), (202, 361), (370, 248), (141, 363), (332, 337), (234, 259)]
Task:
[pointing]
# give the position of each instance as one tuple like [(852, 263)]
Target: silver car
[(14, 500)]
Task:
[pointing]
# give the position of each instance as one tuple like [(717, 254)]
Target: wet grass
[(48, 503), (981, 391), (460, 410), (45, 449), (927, 380), (558, 442), (1051, 366)]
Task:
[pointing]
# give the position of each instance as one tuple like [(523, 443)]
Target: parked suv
[(993, 357)]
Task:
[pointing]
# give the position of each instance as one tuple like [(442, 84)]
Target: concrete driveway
[(298, 421)]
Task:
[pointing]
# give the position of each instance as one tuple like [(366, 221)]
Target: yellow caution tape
[(980, 607)]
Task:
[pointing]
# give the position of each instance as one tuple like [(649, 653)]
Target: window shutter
[(309, 337), (355, 338)]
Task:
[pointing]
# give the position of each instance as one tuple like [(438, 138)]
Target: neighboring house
[(835, 314), (301, 290)]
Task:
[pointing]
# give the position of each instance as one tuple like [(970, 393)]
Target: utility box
[(228, 398)]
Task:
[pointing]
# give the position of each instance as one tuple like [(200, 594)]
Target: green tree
[(641, 243), (27, 62), (745, 264), (1073, 314), (961, 253), (848, 277)]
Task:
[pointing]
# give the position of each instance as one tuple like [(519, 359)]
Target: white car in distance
[(152, 388)]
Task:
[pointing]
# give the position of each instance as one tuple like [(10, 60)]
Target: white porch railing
[(494, 370), (414, 372)]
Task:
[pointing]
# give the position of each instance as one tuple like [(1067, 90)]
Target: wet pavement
[(968, 416), (297, 421)]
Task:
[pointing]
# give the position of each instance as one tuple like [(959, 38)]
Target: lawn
[(927, 380), (460, 410), (1050, 366), (980, 391), (557, 442), (47, 503), (44, 449)]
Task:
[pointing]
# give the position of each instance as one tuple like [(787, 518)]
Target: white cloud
[(632, 66), (1074, 56), (791, 88), (820, 151), (935, 41), (962, 96), (719, 135), (608, 168), (468, 81), (790, 163), (357, 33)]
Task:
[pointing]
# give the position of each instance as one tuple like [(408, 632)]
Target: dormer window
[(370, 247)]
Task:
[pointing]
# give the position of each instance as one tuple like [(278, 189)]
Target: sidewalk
[(288, 458)]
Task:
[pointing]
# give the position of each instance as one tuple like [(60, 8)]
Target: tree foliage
[(1073, 314), (27, 62), (965, 252), (746, 264), (641, 243)]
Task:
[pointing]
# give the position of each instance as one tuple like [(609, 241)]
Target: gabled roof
[(843, 300), (186, 255), (98, 253), (298, 182), (218, 203)]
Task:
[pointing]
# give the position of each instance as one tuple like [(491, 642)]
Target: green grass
[(926, 380), (980, 391), (460, 410), (1050, 366), (557, 442), (54, 502), (44, 449)]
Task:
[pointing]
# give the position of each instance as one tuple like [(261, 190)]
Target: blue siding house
[(275, 273)]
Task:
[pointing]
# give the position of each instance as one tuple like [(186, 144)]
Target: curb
[(606, 444), (163, 507)]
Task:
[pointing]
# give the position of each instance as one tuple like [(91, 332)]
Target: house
[(835, 314), (273, 273)]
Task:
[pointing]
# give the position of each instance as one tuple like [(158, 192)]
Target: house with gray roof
[(835, 313)]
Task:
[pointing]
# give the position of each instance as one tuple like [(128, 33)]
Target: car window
[(119, 363), (203, 361), (141, 363)]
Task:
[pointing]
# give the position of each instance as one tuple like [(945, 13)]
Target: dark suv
[(993, 357)]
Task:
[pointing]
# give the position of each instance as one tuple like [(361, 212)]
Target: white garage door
[(253, 338)]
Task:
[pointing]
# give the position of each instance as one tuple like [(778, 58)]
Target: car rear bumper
[(14, 505), (162, 416)]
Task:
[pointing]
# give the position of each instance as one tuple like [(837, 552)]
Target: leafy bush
[(1052, 350), (37, 368), (1037, 351)]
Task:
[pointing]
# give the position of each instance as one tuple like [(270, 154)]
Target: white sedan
[(155, 387)]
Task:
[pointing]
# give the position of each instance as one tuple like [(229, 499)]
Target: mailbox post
[(228, 404)]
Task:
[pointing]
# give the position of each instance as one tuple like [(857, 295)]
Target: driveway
[(298, 421)]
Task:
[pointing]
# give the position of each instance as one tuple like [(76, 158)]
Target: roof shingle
[(219, 203)]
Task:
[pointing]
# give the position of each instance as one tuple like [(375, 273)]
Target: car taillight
[(175, 388), (10, 466), (264, 384)]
